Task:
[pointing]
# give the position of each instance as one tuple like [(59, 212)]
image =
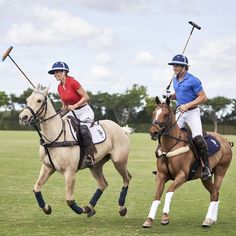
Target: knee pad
[(200, 142), (85, 135)]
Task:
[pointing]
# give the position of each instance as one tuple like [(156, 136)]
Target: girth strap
[(61, 144)]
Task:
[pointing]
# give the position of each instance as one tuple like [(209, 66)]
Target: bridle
[(165, 126), (38, 118)]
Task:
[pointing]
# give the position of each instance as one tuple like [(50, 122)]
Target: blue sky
[(110, 45)]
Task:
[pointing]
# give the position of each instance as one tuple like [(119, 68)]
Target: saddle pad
[(98, 133), (212, 144)]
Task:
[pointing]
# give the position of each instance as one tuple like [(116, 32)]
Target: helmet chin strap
[(181, 72)]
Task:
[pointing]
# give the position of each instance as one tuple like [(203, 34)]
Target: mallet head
[(194, 25), (6, 53)]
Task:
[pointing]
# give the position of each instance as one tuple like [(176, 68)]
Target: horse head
[(162, 119), (36, 107)]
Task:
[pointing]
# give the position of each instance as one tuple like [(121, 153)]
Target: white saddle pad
[(97, 132)]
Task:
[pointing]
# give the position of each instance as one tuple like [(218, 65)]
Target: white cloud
[(49, 26), (105, 39), (119, 6), (144, 58), (103, 59), (99, 72)]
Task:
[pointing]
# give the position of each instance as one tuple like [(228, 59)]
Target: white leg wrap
[(168, 198), (213, 210), (153, 209)]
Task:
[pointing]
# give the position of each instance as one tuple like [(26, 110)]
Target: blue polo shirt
[(187, 89)]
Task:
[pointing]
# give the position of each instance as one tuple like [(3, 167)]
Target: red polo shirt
[(68, 93)]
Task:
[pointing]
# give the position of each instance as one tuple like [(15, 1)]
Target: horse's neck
[(52, 127), (168, 141)]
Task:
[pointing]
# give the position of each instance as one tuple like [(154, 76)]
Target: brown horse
[(59, 151), (175, 159)]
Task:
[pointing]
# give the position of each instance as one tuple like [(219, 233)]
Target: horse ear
[(157, 100), (45, 91), (168, 101), (37, 87)]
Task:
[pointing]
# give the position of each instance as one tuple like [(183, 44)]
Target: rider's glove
[(166, 94)]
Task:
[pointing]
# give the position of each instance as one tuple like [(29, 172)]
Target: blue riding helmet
[(58, 66), (179, 60)]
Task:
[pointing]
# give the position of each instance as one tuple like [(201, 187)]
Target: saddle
[(213, 146)]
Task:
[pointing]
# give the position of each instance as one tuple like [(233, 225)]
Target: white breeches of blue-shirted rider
[(193, 119)]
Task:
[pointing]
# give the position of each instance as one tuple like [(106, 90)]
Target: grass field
[(20, 214)]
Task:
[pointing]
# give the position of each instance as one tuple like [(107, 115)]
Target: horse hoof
[(86, 209), (123, 211), (147, 223), (165, 220), (47, 210), (207, 223), (91, 213)]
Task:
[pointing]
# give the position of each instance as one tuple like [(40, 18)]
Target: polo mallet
[(194, 25), (7, 54)]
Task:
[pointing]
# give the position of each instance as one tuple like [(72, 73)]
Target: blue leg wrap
[(39, 199), (96, 197), (123, 194), (76, 208)]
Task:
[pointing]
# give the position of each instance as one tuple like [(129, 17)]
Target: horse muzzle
[(24, 118)]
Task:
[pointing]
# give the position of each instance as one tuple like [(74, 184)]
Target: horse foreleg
[(179, 180), (160, 184), (45, 173), (102, 185), (70, 185)]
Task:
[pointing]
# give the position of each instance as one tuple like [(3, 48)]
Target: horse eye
[(39, 101)]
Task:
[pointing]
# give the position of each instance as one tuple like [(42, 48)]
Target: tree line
[(133, 107)]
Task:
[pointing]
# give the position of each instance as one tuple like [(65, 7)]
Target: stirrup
[(206, 173)]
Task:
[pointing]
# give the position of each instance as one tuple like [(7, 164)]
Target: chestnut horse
[(175, 159), (56, 155)]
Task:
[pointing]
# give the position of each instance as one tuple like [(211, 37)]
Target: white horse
[(60, 152)]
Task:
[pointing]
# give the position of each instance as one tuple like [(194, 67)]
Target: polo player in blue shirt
[(189, 94)]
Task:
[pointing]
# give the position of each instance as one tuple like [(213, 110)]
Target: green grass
[(20, 214)]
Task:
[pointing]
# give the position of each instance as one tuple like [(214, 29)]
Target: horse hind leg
[(212, 212), (97, 173), (121, 167)]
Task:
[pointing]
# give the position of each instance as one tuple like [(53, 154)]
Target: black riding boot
[(88, 146), (200, 143), (89, 156)]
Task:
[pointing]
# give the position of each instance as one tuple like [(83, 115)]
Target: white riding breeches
[(85, 114), (193, 119)]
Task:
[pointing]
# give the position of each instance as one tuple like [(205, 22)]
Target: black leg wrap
[(123, 194), (39, 199), (96, 197), (73, 205)]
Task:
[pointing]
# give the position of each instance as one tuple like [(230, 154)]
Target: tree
[(217, 108), (4, 99)]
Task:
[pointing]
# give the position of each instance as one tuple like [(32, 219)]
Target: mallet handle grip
[(6, 53)]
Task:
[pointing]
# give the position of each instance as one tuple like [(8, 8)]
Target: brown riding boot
[(89, 156)]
